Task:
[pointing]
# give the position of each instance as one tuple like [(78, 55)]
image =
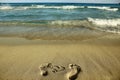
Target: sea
[(58, 21)]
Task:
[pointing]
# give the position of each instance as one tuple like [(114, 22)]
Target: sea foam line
[(105, 22), (104, 8), (107, 25), (8, 7)]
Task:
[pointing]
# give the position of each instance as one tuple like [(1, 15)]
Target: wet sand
[(99, 59)]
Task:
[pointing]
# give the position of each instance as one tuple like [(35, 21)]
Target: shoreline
[(107, 38)]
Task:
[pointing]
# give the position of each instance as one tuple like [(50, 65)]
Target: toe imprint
[(43, 72), (49, 67), (56, 68), (43, 69)]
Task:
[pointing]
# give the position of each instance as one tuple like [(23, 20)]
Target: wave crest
[(108, 25), (105, 22), (8, 7), (104, 8)]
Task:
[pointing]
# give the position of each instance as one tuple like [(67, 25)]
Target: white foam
[(71, 7), (107, 25), (105, 22), (118, 32), (6, 7), (60, 7), (59, 22), (104, 8), (38, 6)]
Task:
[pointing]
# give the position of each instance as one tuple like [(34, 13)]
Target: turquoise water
[(36, 12), (64, 20)]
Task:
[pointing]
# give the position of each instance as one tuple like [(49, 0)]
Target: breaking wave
[(104, 8), (67, 7), (106, 25), (105, 22), (59, 29), (38, 6), (6, 7)]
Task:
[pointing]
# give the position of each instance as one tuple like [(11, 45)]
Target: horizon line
[(61, 2)]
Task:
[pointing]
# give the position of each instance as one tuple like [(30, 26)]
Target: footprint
[(74, 71), (49, 67), (56, 68), (43, 69)]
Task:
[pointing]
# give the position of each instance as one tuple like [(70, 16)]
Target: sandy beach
[(59, 40), (99, 59)]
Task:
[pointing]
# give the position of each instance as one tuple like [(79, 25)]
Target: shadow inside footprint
[(43, 69), (74, 71), (56, 68), (44, 73)]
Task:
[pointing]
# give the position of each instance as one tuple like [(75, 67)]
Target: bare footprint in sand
[(74, 71), (56, 68), (49, 67), (43, 69)]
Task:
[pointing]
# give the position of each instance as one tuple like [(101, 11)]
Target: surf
[(106, 25), (66, 6)]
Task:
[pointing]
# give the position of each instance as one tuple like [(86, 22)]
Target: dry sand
[(99, 58)]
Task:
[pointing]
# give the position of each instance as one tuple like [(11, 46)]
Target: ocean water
[(58, 20)]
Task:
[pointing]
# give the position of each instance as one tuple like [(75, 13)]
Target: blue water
[(55, 11), (53, 18)]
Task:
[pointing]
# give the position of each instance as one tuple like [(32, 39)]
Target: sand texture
[(94, 59)]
